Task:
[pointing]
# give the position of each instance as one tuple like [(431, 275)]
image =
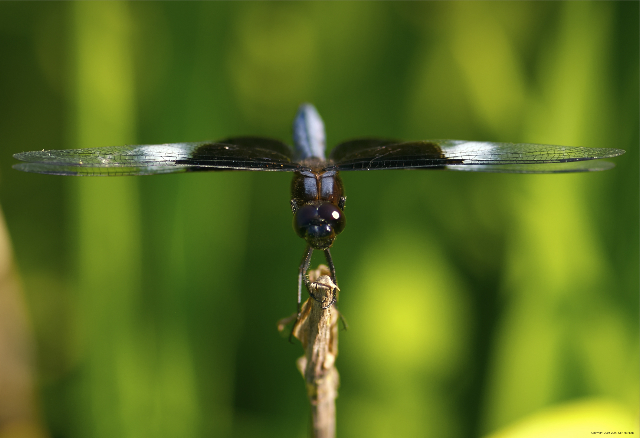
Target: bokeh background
[(478, 304)]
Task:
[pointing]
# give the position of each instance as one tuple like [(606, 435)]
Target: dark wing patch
[(371, 154)]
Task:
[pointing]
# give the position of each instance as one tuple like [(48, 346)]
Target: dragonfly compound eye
[(319, 224), (333, 216)]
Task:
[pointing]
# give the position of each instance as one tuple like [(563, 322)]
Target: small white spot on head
[(226, 147), (335, 215)]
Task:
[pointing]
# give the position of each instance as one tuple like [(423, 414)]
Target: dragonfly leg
[(303, 276), (332, 270)]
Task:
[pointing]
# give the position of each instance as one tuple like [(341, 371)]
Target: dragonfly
[(317, 193)]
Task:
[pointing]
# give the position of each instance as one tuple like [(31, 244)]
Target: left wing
[(240, 153)]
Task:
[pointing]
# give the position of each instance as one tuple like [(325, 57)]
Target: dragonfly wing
[(240, 153), (470, 156)]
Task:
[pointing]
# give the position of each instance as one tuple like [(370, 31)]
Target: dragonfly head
[(319, 223)]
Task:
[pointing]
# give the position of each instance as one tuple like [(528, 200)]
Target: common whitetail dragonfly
[(317, 194)]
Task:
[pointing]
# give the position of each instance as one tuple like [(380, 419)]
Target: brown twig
[(317, 330)]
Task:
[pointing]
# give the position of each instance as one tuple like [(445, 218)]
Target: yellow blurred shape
[(576, 419), (416, 318), (103, 81)]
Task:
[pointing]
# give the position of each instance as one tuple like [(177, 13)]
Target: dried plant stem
[(317, 330)]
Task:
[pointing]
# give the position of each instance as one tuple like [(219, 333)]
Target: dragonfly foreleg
[(332, 270), (303, 276)]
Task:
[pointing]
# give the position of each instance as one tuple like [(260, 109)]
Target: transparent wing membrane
[(242, 153)]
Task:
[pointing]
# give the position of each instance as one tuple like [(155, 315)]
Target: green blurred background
[(478, 304)]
